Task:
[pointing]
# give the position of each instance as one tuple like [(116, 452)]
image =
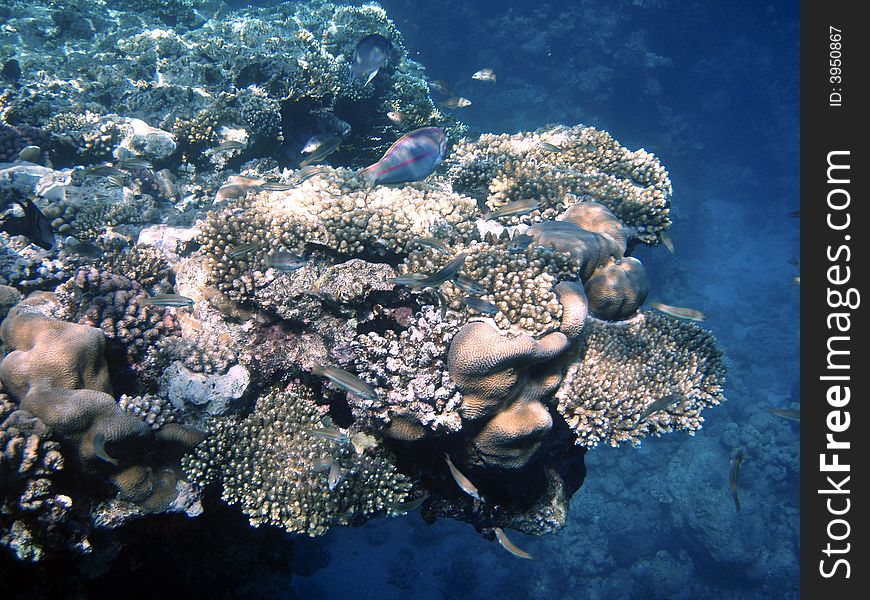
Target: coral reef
[(274, 468)]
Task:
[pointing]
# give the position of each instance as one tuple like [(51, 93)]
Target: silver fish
[(275, 186), (790, 414), (433, 243), (285, 261), (481, 306), (463, 481), (551, 147), (410, 280), (332, 434), (485, 75), (230, 145), (346, 381), (335, 475), (174, 300), (321, 149), (688, 314), (105, 171), (509, 545), (667, 241), (468, 285), (660, 404), (409, 505), (455, 102), (231, 191), (310, 171), (439, 277), (513, 209), (243, 249)]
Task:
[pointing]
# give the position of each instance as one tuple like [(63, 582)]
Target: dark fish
[(174, 300), (229, 145), (660, 404), (461, 480), (371, 53), (442, 304), (408, 506), (11, 70), (285, 261), (34, 225), (455, 102), (509, 545), (791, 414), (735, 471), (481, 306), (519, 243), (513, 209), (100, 449), (433, 243), (346, 381), (320, 148), (449, 270), (468, 285), (243, 249), (485, 75), (441, 86), (413, 157), (86, 249)]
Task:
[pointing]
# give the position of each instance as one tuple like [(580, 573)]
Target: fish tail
[(736, 502), (369, 176)]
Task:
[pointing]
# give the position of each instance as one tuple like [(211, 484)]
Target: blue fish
[(371, 53), (413, 157)]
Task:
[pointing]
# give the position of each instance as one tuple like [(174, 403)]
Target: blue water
[(712, 89)]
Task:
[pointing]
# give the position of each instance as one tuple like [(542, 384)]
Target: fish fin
[(368, 175), (371, 76)]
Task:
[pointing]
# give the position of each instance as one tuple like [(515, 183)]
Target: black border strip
[(835, 233)]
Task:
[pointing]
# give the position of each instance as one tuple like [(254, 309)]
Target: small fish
[(322, 148), (332, 434), (310, 171), (468, 285), (100, 449), (409, 505), (442, 304), (485, 75), (335, 475), (455, 102), (106, 171), (34, 225), (660, 404), (285, 261), (449, 270), (86, 249), (396, 117), (174, 300), (513, 209), (11, 70), (795, 213), (551, 147), (30, 154), (689, 314), (413, 157), (441, 86), (735, 470), (243, 249), (275, 186), (792, 414), (135, 162), (481, 306), (230, 145), (519, 243), (371, 53), (509, 545), (463, 481), (346, 381), (232, 191), (410, 280), (667, 241), (433, 243)]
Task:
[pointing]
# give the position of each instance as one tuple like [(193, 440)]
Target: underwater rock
[(203, 394)]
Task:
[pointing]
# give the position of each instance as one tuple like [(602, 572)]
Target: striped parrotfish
[(413, 157)]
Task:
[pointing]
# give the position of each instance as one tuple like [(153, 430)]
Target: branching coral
[(280, 474), (624, 368)]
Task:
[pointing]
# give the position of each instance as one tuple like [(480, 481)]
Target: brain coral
[(276, 471), (623, 368)]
